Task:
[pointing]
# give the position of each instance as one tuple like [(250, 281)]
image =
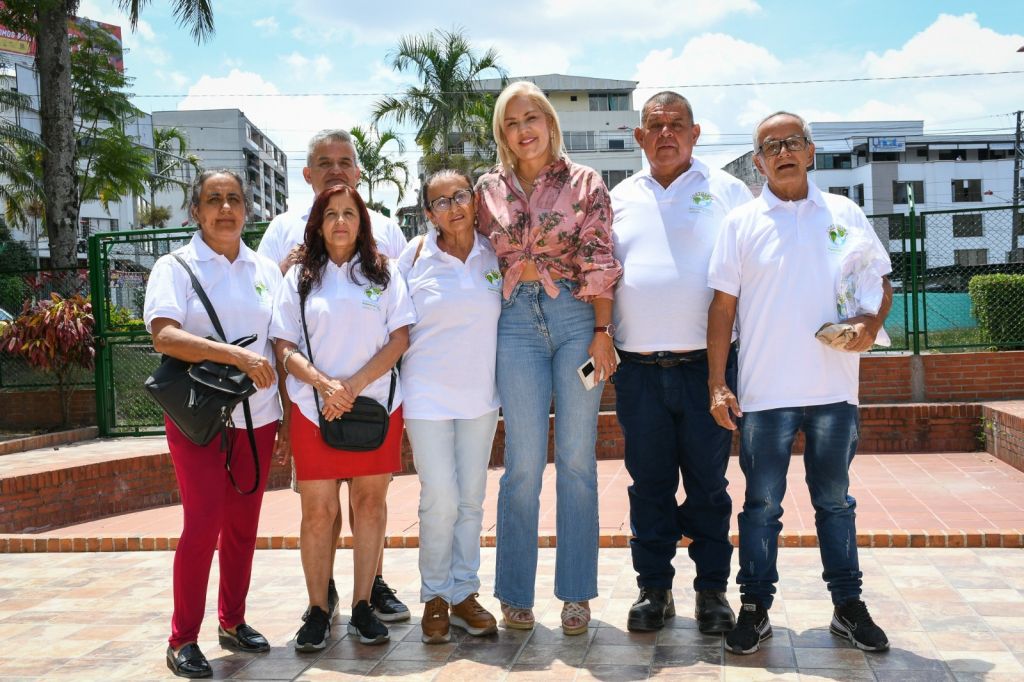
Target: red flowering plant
[(54, 335)]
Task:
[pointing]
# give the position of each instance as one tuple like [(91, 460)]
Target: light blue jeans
[(451, 458), (541, 342)]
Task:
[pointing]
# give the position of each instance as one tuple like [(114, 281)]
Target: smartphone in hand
[(587, 372)]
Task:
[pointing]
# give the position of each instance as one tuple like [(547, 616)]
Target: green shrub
[(998, 305)]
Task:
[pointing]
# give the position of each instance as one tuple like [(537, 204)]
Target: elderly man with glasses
[(776, 265)]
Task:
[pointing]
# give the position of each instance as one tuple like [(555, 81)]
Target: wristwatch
[(608, 329)]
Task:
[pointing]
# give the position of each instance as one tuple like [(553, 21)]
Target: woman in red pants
[(240, 285)]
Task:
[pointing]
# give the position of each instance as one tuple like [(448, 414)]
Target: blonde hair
[(535, 95)]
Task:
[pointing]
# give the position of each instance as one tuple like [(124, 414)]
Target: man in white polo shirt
[(665, 226), (330, 161), (777, 264)]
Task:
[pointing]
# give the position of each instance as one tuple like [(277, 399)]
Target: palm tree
[(376, 167), (173, 167), (440, 105), (47, 22)]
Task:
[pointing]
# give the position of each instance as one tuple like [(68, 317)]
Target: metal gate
[(119, 267)]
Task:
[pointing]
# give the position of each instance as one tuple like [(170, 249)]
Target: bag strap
[(225, 443), (416, 256), (198, 288), (309, 351)]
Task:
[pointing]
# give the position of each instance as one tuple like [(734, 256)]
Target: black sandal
[(188, 662), (245, 639)]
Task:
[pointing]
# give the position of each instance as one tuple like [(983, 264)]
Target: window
[(901, 264), (830, 161), (899, 191), (573, 98), (952, 155), (613, 102), (993, 154), (922, 152), (841, 191), (576, 141), (616, 143), (885, 156), (968, 225), (858, 194), (86, 224), (614, 177), (966, 190), (970, 256)]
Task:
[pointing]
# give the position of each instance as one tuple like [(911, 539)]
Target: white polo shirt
[(348, 324), (663, 236), (242, 295), (287, 230), (448, 371), (783, 259)]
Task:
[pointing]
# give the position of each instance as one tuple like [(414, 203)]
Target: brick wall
[(1004, 431), (40, 408), (942, 377)]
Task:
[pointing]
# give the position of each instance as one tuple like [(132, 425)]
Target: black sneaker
[(752, 628), (852, 621), (385, 604), (365, 625), (332, 602), (649, 611), (713, 614), (313, 634)]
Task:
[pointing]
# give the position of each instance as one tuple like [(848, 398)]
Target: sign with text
[(15, 42), (888, 144)]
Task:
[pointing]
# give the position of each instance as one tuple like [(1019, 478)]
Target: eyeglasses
[(442, 204), (794, 143)]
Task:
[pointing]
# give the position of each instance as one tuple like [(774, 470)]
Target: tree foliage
[(376, 167), (54, 335), (173, 165), (447, 105)]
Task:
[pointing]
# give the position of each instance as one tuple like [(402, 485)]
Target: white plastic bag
[(859, 291)]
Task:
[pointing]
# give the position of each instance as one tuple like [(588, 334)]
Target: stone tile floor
[(951, 614)]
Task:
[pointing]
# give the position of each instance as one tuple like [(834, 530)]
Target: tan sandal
[(515, 618), (575, 617)]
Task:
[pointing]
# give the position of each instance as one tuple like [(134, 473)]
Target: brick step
[(43, 489)]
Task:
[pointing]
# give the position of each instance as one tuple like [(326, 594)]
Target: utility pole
[(1016, 222)]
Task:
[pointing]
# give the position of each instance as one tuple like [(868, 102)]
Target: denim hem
[(653, 584), (837, 600), (514, 605), (710, 586)]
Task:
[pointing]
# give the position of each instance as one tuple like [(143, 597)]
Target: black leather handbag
[(199, 397), (361, 429)]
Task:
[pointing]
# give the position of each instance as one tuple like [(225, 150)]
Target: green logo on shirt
[(373, 293), (492, 277), (837, 234), (702, 199), (261, 289)]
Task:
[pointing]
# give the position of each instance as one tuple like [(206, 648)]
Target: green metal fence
[(119, 267), (935, 254)]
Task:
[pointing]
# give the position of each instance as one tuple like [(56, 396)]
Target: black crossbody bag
[(199, 397), (361, 429)]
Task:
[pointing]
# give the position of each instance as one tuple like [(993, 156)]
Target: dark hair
[(665, 98), (373, 264), (437, 175), (197, 189)]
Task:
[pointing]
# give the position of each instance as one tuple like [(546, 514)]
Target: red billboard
[(15, 42)]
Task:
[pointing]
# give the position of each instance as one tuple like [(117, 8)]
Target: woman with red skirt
[(357, 315)]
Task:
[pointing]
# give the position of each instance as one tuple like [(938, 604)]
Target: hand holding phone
[(587, 372)]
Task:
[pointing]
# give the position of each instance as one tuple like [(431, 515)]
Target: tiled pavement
[(951, 614), (962, 495)]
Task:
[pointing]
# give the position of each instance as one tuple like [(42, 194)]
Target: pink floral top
[(564, 228)]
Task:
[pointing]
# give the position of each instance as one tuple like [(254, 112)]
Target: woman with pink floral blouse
[(549, 221)]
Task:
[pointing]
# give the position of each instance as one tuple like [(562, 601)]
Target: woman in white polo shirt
[(240, 285), (357, 314), (451, 400)]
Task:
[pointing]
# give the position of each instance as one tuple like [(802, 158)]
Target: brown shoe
[(435, 622), (473, 618)]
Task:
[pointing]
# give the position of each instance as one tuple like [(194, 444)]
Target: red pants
[(214, 509)]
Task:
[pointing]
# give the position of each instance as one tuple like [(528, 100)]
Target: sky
[(336, 54)]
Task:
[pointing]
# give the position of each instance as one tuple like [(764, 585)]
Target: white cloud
[(319, 67), (268, 25)]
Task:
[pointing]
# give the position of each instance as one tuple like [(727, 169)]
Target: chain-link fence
[(120, 263), (935, 257)]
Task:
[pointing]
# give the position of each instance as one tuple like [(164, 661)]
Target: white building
[(225, 138), (872, 162), (20, 75)]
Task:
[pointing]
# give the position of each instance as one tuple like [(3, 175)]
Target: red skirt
[(316, 461)]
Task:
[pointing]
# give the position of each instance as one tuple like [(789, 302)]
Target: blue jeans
[(766, 441), (669, 431), (451, 458), (541, 342)]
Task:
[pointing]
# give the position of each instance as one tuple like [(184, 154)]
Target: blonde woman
[(549, 221)]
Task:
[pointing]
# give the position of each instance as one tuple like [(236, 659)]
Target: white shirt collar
[(696, 166), (430, 247), (771, 201), (203, 252)]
